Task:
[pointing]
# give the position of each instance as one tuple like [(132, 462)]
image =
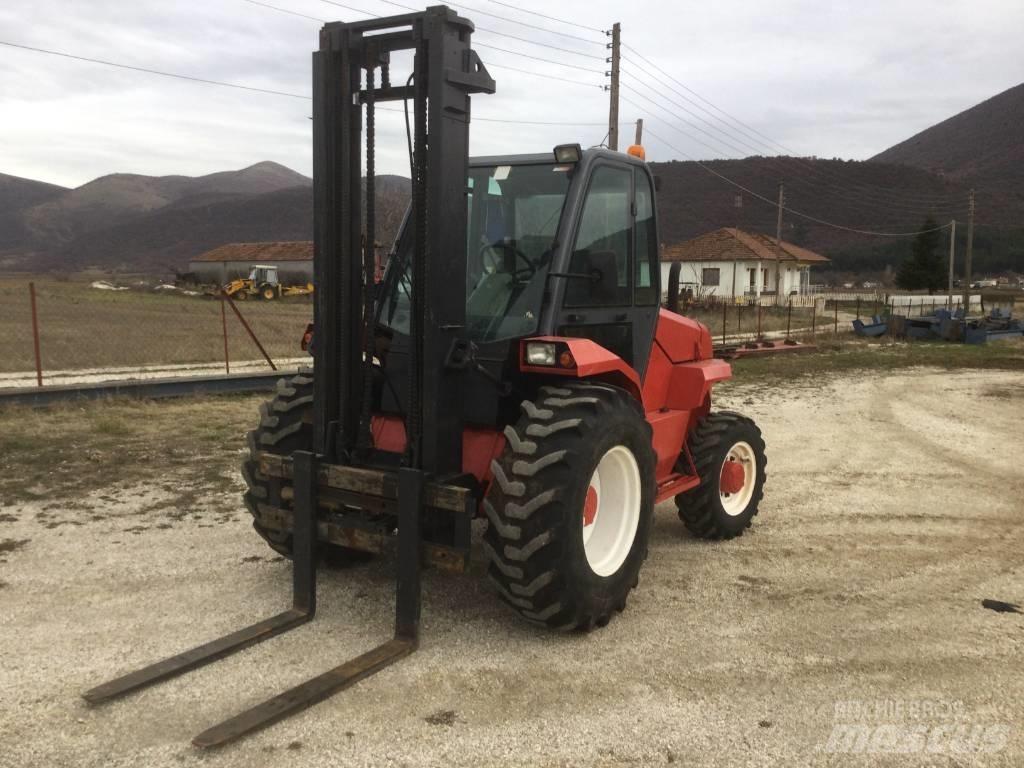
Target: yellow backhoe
[(263, 283)]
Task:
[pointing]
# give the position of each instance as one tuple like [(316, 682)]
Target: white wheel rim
[(737, 499), (611, 513)]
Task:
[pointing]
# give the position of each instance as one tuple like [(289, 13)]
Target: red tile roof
[(731, 244), (301, 250)]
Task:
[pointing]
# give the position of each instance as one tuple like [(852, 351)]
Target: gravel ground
[(894, 506)]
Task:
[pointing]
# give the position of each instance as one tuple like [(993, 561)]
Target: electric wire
[(549, 18), (749, 132), (283, 10), (852, 196), (786, 208), (147, 70), (477, 27)]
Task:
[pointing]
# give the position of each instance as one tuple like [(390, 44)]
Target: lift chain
[(364, 438)]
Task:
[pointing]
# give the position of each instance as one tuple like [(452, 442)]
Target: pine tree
[(924, 267)]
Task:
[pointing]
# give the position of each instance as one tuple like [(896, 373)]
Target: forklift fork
[(304, 558)]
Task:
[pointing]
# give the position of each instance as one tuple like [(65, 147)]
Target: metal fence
[(74, 332), (80, 332)]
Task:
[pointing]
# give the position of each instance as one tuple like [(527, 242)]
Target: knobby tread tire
[(285, 426), (701, 509), (534, 505)]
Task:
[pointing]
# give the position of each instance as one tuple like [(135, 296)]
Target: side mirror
[(657, 183)]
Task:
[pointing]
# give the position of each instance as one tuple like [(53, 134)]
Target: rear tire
[(725, 502), (286, 425), (547, 561)]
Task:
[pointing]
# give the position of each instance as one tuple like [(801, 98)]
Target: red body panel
[(675, 394), (479, 446), (592, 362)]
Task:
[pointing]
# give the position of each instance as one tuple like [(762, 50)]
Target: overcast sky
[(844, 79)]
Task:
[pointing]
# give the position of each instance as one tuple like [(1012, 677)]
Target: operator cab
[(263, 274), (561, 244)]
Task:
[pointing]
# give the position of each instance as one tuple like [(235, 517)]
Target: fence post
[(725, 317), (35, 334), (759, 334), (814, 319), (224, 327), (739, 321), (836, 305), (858, 307)]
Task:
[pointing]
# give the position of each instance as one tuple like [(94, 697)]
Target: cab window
[(602, 250), (646, 290)]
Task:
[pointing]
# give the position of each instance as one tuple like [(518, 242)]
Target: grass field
[(85, 327), (741, 320), (871, 356)]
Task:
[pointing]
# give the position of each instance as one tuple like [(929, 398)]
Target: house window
[(711, 276)]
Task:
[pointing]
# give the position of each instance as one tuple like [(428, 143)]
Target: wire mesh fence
[(96, 331)]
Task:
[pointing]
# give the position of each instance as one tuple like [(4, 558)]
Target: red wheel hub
[(733, 477), (590, 507)]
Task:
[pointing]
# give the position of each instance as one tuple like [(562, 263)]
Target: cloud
[(841, 79)]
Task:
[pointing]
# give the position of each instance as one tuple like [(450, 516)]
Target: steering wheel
[(490, 259)]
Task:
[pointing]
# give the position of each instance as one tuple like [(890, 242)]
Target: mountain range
[(143, 224)]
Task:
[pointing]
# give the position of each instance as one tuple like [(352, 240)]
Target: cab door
[(611, 294)]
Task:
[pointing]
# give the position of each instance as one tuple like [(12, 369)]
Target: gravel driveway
[(846, 626)]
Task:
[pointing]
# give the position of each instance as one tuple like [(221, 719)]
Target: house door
[(752, 280)]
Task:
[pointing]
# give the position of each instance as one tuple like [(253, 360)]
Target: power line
[(155, 71), (549, 18), (492, 65), (853, 197), (478, 44), (539, 58), (478, 28), (750, 130), (538, 43), (527, 24), (800, 214), (241, 86), (283, 10)]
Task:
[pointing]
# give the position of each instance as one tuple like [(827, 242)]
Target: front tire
[(286, 426), (570, 507), (729, 455)]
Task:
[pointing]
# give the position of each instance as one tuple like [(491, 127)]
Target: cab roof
[(549, 157)]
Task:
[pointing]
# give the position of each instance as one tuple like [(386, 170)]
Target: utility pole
[(778, 243), (969, 255), (639, 132), (613, 106), (952, 254)]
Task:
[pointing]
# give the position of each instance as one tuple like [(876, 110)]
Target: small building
[(731, 263), (294, 261)]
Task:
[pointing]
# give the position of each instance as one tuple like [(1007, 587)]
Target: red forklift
[(514, 365)]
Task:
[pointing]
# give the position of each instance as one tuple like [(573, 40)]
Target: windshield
[(512, 217)]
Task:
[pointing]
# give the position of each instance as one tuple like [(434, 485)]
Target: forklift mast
[(345, 76)]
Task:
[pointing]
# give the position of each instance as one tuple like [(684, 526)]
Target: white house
[(732, 263)]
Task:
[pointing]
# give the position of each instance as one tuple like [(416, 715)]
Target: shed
[(294, 261)]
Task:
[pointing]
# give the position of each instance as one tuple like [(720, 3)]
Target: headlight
[(568, 153), (540, 353)]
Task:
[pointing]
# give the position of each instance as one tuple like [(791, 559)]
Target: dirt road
[(895, 504)]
